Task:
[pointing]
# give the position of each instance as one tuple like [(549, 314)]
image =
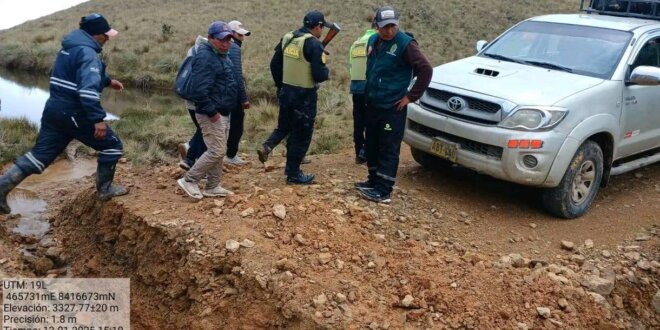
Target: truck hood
[(517, 83)]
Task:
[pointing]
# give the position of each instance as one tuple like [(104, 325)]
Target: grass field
[(154, 37)]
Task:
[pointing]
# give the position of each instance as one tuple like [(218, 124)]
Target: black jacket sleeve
[(313, 52), (277, 65)]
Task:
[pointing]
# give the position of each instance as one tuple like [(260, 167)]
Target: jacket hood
[(79, 38), (520, 84)]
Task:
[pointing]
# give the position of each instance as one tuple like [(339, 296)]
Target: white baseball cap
[(237, 27)]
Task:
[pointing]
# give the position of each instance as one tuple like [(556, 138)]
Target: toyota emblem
[(456, 103)]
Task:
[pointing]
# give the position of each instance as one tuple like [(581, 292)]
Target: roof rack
[(649, 9)]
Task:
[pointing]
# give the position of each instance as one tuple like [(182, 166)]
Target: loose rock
[(567, 245), (279, 211), (544, 312), (407, 301), (232, 245)]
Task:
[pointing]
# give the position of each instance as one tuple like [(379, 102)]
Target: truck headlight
[(534, 118)]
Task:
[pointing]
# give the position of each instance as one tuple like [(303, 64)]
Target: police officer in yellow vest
[(358, 67), (298, 67)]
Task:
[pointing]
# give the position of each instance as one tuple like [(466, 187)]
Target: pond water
[(23, 95)]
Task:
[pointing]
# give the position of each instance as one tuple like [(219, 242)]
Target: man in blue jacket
[(393, 59), (215, 95), (74, 111), (298, 67)]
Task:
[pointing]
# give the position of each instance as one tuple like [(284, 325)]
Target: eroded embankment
[(175, 281)]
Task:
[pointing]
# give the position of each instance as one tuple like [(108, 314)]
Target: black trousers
[(384, 128), (235, 131), (296, 120), (359, 124)]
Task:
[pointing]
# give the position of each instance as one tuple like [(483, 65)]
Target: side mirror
[(645, 76), (481, 44)]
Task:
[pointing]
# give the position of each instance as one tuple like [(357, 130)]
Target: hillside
[(455, 250), (154, 35)]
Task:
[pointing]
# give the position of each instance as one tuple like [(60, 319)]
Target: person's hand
[(246, 105), (215, 118), (116, 85), (100, 130), (402, 103)]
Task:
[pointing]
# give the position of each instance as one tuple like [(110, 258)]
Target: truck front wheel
[(580, 184)]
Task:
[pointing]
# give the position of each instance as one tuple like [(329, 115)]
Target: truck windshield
[(584, 50)]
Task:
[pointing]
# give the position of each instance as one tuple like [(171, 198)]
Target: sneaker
[(364, 185), (301, 178), (185, 164), (263, 153), (305, 161), (190, 188), (217, 192), (375, 196), (234, 160), (183, 150)]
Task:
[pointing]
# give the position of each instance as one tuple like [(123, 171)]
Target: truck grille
[(473, 103), (465, 144)]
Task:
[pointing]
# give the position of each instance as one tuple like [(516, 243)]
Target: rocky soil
[(454, 250)]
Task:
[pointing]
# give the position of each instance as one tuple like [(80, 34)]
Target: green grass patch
[(16, 137)]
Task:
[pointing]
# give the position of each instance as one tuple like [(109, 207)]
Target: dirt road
[(453, 250)]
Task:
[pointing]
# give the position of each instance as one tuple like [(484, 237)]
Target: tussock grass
[(155, 35), (16, 138)]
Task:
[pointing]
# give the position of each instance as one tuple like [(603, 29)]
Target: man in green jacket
[(393, 59)]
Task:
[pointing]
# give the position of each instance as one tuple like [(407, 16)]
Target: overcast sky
[(14, 12)]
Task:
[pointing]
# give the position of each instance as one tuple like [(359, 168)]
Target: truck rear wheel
[(429, 161), (580, 184)]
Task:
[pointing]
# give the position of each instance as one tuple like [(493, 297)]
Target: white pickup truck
[(560, 102)]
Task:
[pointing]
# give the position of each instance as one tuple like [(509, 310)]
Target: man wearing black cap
[(298, 67), (74, 111), (393, 59)]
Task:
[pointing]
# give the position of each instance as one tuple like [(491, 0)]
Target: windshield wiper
[(550, 66), (503, 58)]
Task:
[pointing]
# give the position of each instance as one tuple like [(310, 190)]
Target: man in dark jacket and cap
[(74, 111), (215, 95)]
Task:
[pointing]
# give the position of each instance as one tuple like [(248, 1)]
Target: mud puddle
[(28, 208)]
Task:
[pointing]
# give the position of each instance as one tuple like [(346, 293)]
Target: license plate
[(444, 149)]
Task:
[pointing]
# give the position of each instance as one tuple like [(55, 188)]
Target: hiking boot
[(375, 196), (234, 160), (301, 178), (217, 192), (185, 164), (263, 153), (183, 150), (105, 190), (8, 182), (364, 185), (190, 188)]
